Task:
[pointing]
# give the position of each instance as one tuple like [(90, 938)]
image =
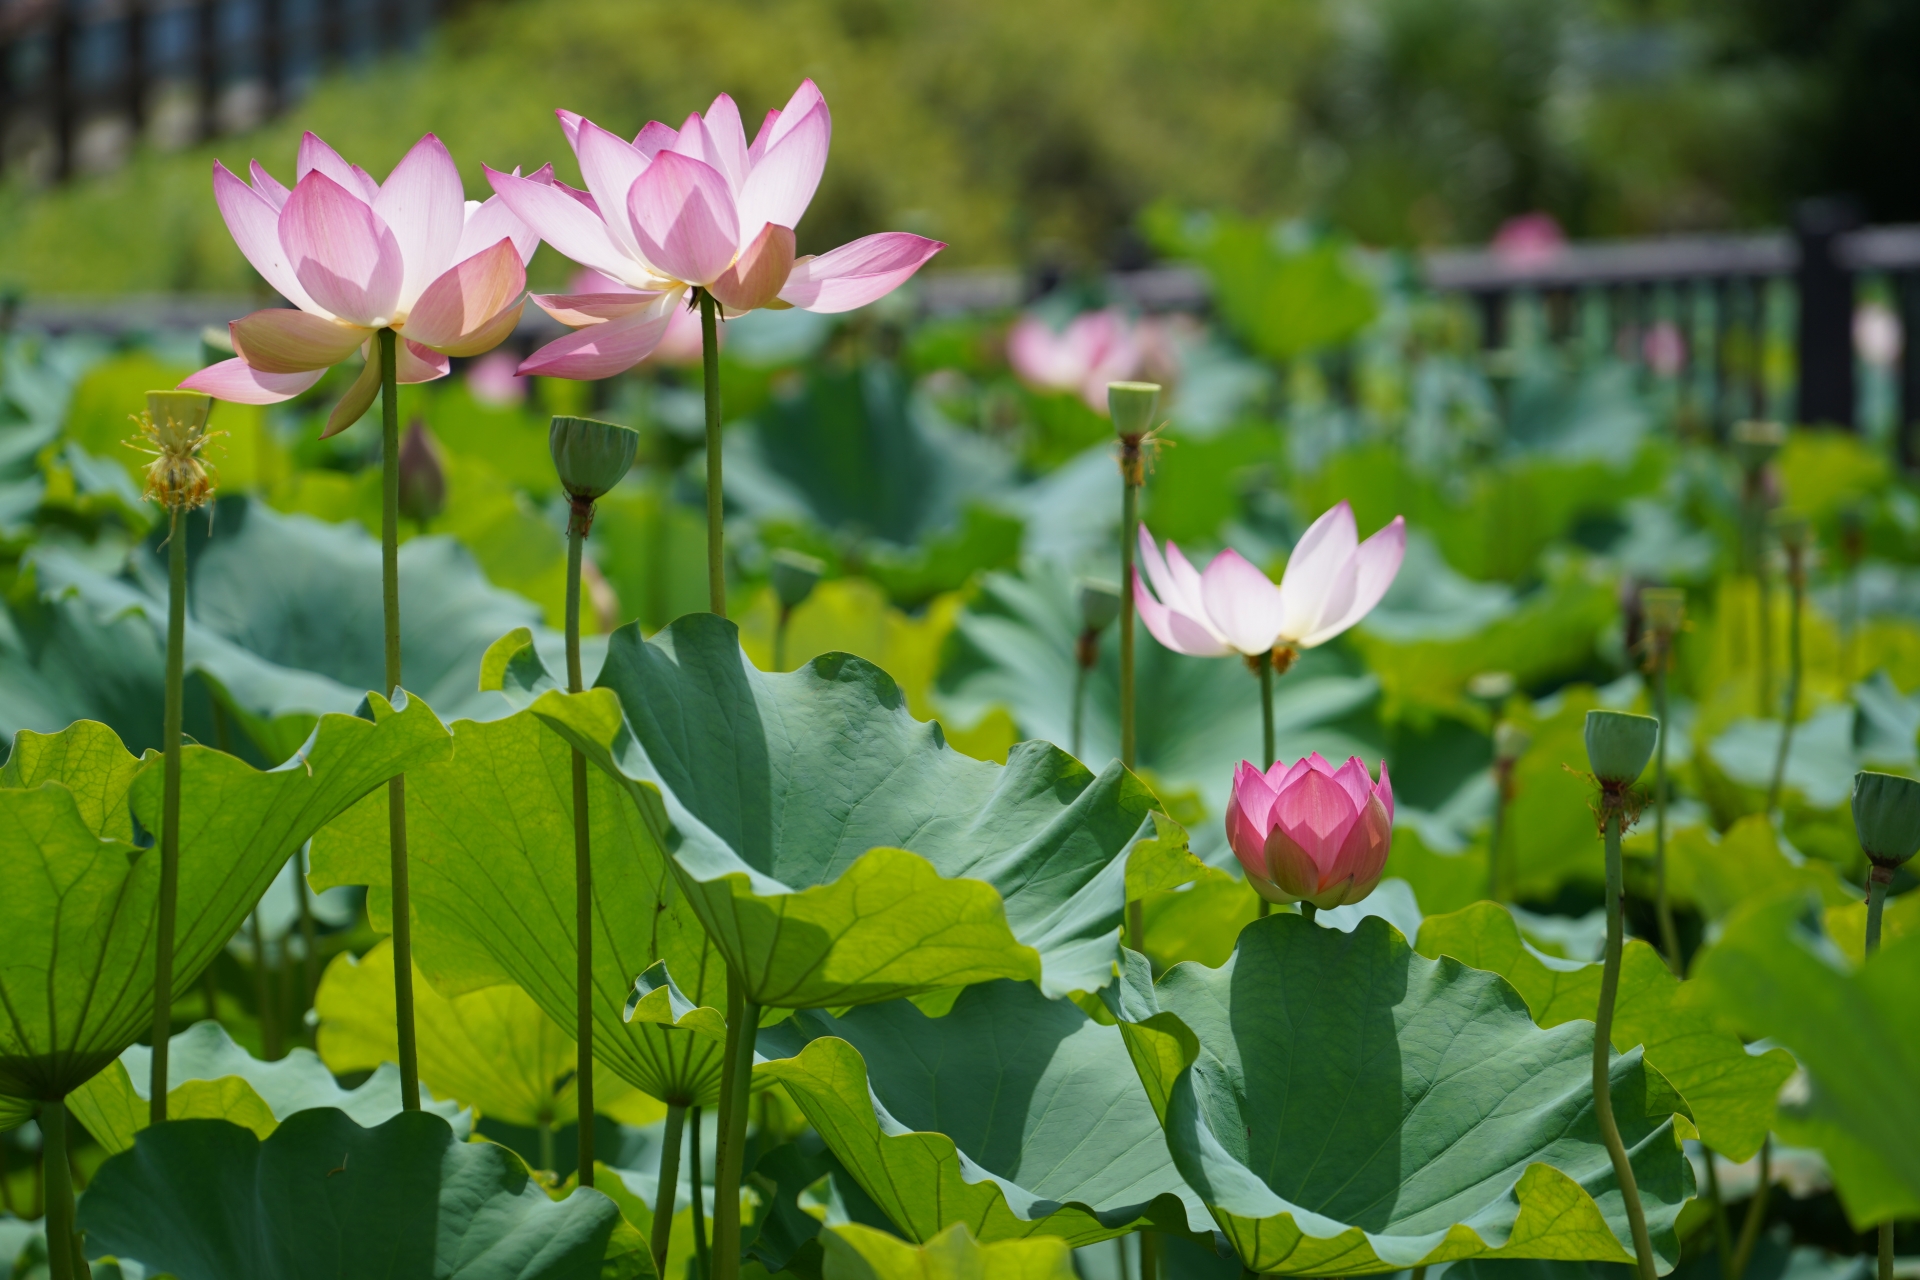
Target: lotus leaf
[(1345, 1106), (854, 1252), (837, 851), (324, 1197), (1014, 1114), (209, 1077), (76, 950)]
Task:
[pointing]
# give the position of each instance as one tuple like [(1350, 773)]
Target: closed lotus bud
[(794, 575), (1886, 815), (1619, 744), (174, 430), (1132, 405), (1308, 832), (1756, 443), (591, 456), (423, 481), (1664, 608), (1099, 604)]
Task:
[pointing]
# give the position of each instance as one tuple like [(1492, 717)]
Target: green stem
[(1129, 535), (1662, 906), (1876, 904), (1079, 703), (1722, 1233), (310, 958), (702, 1266), (736, 1083), (1756, 1215), (1308, 911), (578, 521), (545, 1132), (263, 992), (669, 1185), (780, 639), (1766, 634), (397, 787), (1885, 1251), (1265, 667), (1792, 710), (169, 815), (1497, 836), (716, 505), (1602, 1044), (65, 1256)]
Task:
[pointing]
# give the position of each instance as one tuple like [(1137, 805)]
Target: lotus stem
[(780, 638), (736, 1082), (1722, 1233), (1764, 668), (669, 1186), (66, 1258), (310, 956), (1602, 1044), (545, 1132), (702, 1264), (716, 504), (1130, 469), (1796, 587), (1756, 1216), (580, 518), (397, 787), (1264, 665), (169, 813), (1662, 905), (1308, 910), (1877, 884), (1149, 1256), (1503, 784), (263, 992)]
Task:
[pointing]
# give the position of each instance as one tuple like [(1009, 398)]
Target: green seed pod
[(1132, 405), (794, 574), (1665, 608), (173, 431), (591, 456), (1619, 744), (1099, 604), (1756, 443), (1491, 686), (1886, 814)]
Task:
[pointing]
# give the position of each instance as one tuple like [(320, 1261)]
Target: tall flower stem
[(669, 1185), (1877, 883), (1797, 590), (65, 1257), (1263, 664), (169, 814), (702, 1265), (1602, 1045), (578, 522), (736, 1083), (1662, 906), (1722, 1235), (397, 788), (1503, 792), (716, 503), (1756, 1213), (1132, 474)]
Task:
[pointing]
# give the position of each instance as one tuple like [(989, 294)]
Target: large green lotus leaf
[(1014, 1114), (837, 850), (490, 852), (854, 1252), (324, 1198), (284, 624), (209, 1077), (1720, 874), (76, 941), (1856, 1030), (1345, 1106), (1729, 1092)]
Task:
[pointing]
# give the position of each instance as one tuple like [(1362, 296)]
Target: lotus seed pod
[(794, 575), (1099, 604), (1619, 744), (1756, 443), (1492, 686), (423, 481), (1132, 405), (1665, 608), (1510, 741), (1886, 815), (591, 456)]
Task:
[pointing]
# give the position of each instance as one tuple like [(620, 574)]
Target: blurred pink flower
[(1664, 348), (492, 379), (1309, 832), (355, 256), (1095, 348), (695, 207), (1331, 582), (1528, 240), (1877, 334)]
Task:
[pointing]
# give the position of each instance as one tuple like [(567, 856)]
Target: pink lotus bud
[(1310, 832)]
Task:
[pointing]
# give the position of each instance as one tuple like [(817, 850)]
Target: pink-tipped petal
[(764, 138), (1313, 567), (415, 363), (270, 188), (491, 221), (254, 222), (1241, 602), (782, 183), (1283, 773), (1173, 629), (1175, 582), (458, 306), (342, 253), (572, 228), (1290, 868), (317, 156), (1255, 794), (569, 124), (236, 383), (782, 122), (1246, 838), (726, 142), (654, 138), (611, 166), (1040, 357), (858, 273), (1369, 571), (1316, 813), (577, 310), (1384, 790), (359, 398), (603, 350), (282, 340), (425, 205), (1355, 779), (1362, 855), (684, 216), (755, 279)]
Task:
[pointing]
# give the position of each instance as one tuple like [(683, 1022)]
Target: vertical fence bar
[(273, 55), (1824, 328), (136, 57), (60, 88), (206, 30), (1906, 285), (333, 33), (1493, 316)]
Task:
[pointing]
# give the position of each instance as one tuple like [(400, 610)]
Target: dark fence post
[(1493, 318), (1825, 341), (136, 55), (207, 64), (272, 55), (60, 86), (1907, 419)]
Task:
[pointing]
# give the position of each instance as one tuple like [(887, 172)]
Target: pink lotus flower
[(1331, 582), (355, 256), (1310, 832), (695, 207), (1095, 348), (1529, 240)]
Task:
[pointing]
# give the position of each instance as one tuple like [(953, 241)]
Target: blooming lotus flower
[(355, 256), (695, 207), (1095, 348), (1308, 832), (1331, 582)]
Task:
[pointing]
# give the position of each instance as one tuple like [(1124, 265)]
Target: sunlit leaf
[(854, 1252)]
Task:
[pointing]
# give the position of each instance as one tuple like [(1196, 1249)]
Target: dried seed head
[(174, 431)]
